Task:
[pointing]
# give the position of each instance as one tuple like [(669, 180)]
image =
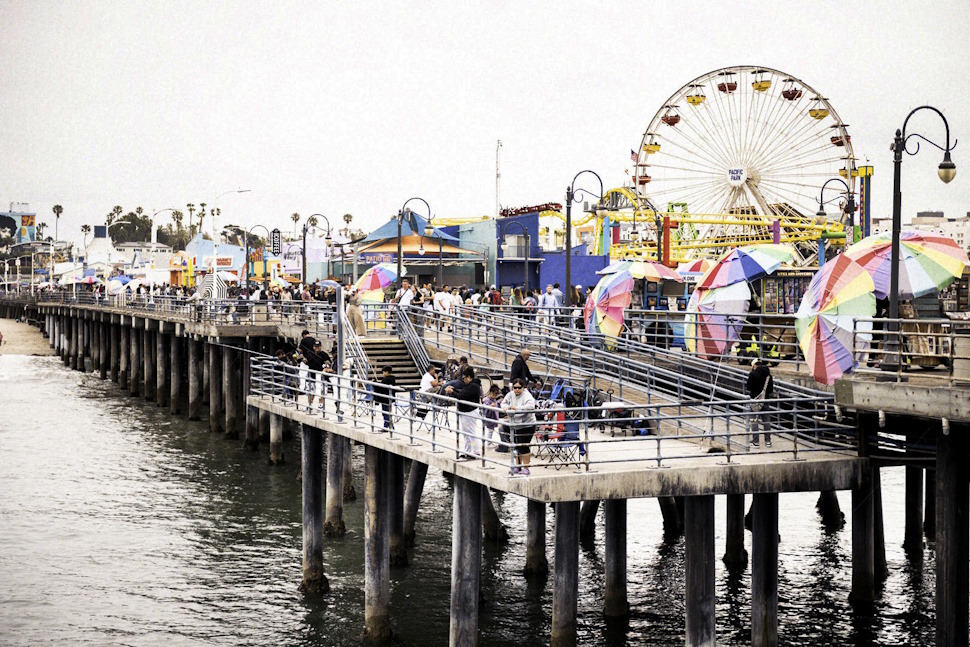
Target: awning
[(412, 244)]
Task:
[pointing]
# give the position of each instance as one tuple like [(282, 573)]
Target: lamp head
[(947, 170), (327, 239), (505, 247), (421, 251), (634, 235), (428, 230), (821, 211)]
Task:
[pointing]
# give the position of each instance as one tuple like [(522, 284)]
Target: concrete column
[(587, 520), (615, 601), (163, 373), (764, 571), (673, 523), (494, 531), (264, 425), (135, 363), (878, 529), (150, 353), (350, 494), (863, 560), (82, 342), (232, 387), (377, 583), (929, 505), (314, 579), (398, 547), (412, 498), (104, 342), (195, 379), (215, 390), (124, 354), (251, 441), (334, 523), (275, 439), (205, 371), (115, 354), (466, 562), (734, 553), (699, 553), (913, 532), (75, 342), (566, 579), (951, 537), (536, 564), (175, 375), (830, 511)]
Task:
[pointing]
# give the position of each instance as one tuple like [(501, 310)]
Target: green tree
[(295, 218), (133, 226), (58, 210), (85, 229)]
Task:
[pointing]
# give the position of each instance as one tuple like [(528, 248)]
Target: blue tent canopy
[(389, 230)]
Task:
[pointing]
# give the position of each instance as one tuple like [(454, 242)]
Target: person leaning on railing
[(519, 405)]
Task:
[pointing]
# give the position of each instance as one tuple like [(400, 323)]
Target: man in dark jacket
[(469, 398), (384, 395), (760, 387), (520, 368)]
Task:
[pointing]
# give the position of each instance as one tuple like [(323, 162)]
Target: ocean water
[(121, 525)]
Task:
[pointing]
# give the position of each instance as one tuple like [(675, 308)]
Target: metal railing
[(938, 347), (582, 436), (408, 320)]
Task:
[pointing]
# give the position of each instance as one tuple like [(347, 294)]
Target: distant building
[(931, 221), (19, 222)]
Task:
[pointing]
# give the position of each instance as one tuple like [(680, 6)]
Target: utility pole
[(498, 178)]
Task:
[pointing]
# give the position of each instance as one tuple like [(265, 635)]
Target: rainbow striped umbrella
[(378, 277), (649, 270), (604, 307), (698, 265), (838, 293), (927, 262), (715, 317), (745, 264)]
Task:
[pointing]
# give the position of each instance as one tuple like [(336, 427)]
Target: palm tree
[(191, 208), (58, 210), (85, 229), (312, 221), (201, 214), (177, 217), (295, 218)]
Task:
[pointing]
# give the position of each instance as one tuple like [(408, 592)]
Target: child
[(490, 420)]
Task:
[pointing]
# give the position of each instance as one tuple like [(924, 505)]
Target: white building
[(931, 221)]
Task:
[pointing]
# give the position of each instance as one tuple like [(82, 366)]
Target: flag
[(634, 156)]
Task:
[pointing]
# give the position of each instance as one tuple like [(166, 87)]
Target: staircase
[(383, 352)]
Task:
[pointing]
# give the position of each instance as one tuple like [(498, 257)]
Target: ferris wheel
[(744, 140)]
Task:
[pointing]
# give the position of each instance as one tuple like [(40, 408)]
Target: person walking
[(520, 368), (761, 386), (547, 306), (519, 405)]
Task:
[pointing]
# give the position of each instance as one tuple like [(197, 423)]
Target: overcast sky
[(337, 107)]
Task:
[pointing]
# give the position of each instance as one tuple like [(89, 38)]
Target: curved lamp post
[(947, 171), (848, 209), (428, 233), (505, 248), (214, 212), (571, 193), (401, 214), (246, 234), (327, 240)]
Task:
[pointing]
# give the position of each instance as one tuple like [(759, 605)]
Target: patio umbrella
[(68, 280), (927, 262), (714, 318), (228, 276), (89, 280), (838, 293), (114, 286), (372, 296), (121, 278), (745, 264), (699, 265), (649, 270), (378, 277), (604, 307), (278, 283)]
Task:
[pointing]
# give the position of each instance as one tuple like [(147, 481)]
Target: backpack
[(495, 298)]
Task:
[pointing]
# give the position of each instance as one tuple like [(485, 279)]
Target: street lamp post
[(154, 242), (571, 193), (428, 233), (327, 241), (215, 237), (947, 171), (405, 211), (505, 247), (246, 234), (848, 209)]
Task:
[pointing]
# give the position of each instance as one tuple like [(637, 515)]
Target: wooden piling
[(673, 522), (149, 353), (124, 354), (115, 353), (264, 426), (135, 367), (75, 343), (536, 563), (878, 529), (275, 439), (493, 529), (232, 387), (215, 390), (350, 494), (764, 571), (175, 379), (565, 590), (615, 603), (398, 546), (163, 376), (103, 349), (828, 508), (699, 558), (466, 562), (734, 553), (929, 506), (913, 529), (195, 379), (863, 590), (314, 579), (333, 525), (206, 348), (412, 498), (951, 537), (587, 520), (377, 584)]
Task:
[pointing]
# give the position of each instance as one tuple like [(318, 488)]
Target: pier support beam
[(232, 386), (565, 590), (175, 380), (314, 579), (830, 511), (615, 600), (75, 343), (412, 498), (734, 553), (764, 571), (124, 355), (195, 379), (929, 506), (264, 425), (673, 522), (536, 563), (103, 346), (377, 583), (135, 362), (913, 530), (952, 537), (115, 353), (699, 558), (149, 352), (398, 549), (215, 390), (334, 523), (276, 439), (863, 556), (878, 529), (492, 527), (350, 494), (466, 562), (587, 520), (163, 385)]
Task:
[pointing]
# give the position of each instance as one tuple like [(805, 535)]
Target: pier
[(698, 446)]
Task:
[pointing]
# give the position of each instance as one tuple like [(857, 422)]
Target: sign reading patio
[(375, 258)]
